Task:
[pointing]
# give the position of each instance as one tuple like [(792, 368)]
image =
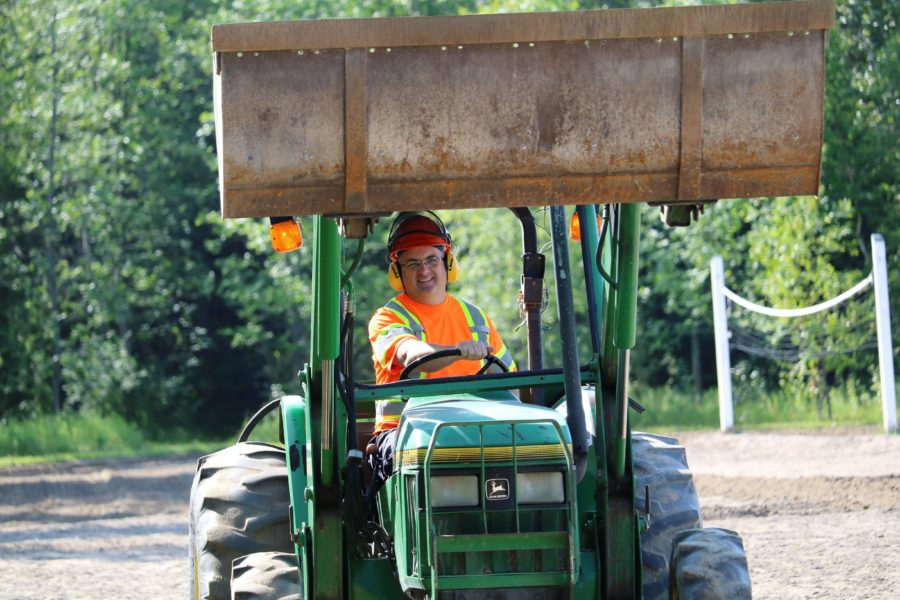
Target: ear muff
[(452, 267), (394, 277)]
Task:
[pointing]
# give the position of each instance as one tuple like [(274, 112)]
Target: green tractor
[(524, 484)]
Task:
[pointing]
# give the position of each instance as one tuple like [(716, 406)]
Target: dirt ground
[(819, 514)]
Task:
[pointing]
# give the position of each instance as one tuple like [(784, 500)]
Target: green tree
[(110, 171)]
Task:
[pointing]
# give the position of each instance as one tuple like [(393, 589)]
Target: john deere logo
[(496, 489)]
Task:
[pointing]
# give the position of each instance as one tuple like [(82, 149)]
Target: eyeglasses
[(416, 265)]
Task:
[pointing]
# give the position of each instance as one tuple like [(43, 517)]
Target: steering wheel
[(490, 360)]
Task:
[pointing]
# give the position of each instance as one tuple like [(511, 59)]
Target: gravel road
[(819, 514)]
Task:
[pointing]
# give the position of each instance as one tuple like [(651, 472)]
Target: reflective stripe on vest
[(504, 355), (410, 326), (478, 326), (415, 326), (477, 320), (386, 337), (387, 414)]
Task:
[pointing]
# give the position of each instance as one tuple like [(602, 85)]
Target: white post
[(723, 360), (883, 325)]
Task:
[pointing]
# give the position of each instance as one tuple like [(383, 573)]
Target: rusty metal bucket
[(663, 105)]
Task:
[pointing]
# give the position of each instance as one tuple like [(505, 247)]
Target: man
[(424, 319)]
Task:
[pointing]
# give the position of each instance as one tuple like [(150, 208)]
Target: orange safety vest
[(387, 412)]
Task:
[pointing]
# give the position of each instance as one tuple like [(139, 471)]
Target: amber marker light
[(575, 226), (285, 233)]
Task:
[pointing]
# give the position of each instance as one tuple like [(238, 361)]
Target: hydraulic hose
[(571, 365), (588, 221)]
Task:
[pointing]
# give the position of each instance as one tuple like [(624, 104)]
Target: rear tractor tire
[(239, 505), (709, 564), (660, 464), (266, 576)]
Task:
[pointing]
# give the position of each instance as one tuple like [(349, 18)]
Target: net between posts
[(843, 325), (825, 343)]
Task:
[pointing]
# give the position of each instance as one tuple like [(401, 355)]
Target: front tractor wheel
[(266, 576), (708, 564), (660, 466), (239, 505)]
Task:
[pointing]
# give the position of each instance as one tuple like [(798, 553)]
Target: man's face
[(423, 274)]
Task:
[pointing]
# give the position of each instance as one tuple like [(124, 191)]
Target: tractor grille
[(527, 593), (489, 562), (506, 535)]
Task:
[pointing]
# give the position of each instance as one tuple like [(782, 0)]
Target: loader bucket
[(640, 105)]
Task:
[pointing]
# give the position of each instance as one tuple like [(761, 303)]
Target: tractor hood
[(466, 423)]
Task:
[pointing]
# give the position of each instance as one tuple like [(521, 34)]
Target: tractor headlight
[(540, 488), (454, 490)]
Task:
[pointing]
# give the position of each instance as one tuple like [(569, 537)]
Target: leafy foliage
[(123, 292)]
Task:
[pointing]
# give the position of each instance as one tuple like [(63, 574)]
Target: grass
[(75, 436), (671, 409)]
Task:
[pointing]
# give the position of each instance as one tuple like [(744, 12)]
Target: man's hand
[(474, 349), (411, 349)]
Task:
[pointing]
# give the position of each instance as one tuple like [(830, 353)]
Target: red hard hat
[(412, 230)]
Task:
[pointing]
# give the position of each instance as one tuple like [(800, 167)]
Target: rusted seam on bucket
[(691, 118), (355, 132)]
